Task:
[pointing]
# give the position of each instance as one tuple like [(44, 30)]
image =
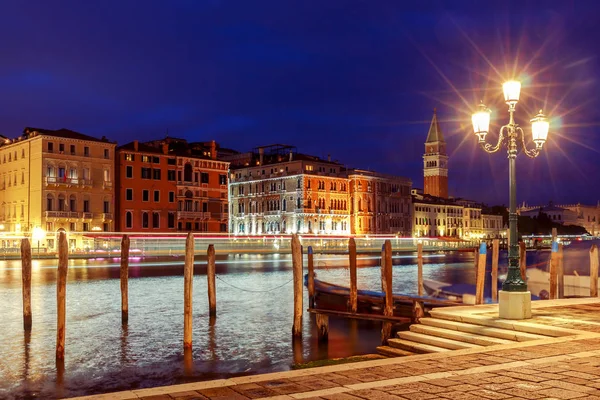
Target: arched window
[(283, 207), (128, 220), (72, 203), (49, 203), (144, 220), (187, 172), (61, 203)]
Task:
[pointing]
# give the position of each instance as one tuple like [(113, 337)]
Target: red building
[(435, 162)]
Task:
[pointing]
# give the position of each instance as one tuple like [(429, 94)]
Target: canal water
[(251, 334)]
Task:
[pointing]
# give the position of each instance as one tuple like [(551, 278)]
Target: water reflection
[(252, 333)]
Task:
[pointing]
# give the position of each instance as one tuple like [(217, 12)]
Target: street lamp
[(514, 299), (38, 234)]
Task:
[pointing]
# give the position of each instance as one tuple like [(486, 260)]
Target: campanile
[(435, 161)]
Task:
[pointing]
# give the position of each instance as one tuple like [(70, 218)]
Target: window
[(106, 227), (50, 149), (171, 175), (156, 174), (222, 179), (86, 226), (129, 157), (128, 220), (171, 220), (106, 206), (155, 160), (144, 219), (146, 159), (86, 206), (146, 173), (72, 226), (61, 148), (157, 195), (72, 205), (171, 161), (86, 151), (171, 197), (72, 149), (155, 220), (128, 194), (22, 153), (204, 177), (129, 171), (145, 195), (106, 154), (196, 177), (49, 203)]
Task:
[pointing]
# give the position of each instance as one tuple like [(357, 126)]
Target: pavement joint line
[(182, 387), (317, 393), (578, 321), (278, 397)]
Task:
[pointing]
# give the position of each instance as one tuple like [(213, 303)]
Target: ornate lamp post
[(514, 299)]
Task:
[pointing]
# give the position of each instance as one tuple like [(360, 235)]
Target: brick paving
[(566, 367)]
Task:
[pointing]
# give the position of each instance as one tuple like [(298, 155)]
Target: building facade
[(578, 214), (435, 162), (57, 180)]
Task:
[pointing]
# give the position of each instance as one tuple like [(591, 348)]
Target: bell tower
[(435, 161)]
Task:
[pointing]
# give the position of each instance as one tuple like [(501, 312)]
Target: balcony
[(107, 216), (192, 215), (64, 181), (87, 215), (85, 183), (107, 185), (275, 212), (61, 214)]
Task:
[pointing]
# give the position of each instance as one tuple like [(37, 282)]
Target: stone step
[(393, 352), (414, 347), (520, 326), (457, 335), (481, 330), (436, 341)]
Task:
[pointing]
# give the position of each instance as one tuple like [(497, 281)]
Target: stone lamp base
[(514, 305)]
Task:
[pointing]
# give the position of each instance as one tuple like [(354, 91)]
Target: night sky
[(356, 79)]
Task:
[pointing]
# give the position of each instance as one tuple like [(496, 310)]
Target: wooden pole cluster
[(480, 274), (188, 280), (353, 284), (523, 260), (420, 269), (594, 271), (388, 309), (26, 279), (124, 272), (210, 276), (311, 278), (553, 270), (61, 294), (297, 271), (495, 257)]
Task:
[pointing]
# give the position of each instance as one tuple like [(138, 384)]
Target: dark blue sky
[(357, 79)]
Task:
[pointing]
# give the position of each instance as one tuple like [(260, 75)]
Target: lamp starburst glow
[(481, 122), (515, 300)]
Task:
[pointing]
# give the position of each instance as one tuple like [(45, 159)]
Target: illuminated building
[(57, 180), (201, 184), (275, 190), (578, 214), (435, 162)]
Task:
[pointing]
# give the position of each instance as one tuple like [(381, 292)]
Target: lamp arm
[(492, 149), (533, 153)]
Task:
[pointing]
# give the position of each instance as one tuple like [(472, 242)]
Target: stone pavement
[(565, 367)]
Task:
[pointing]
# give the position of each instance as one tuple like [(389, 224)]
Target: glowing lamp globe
[(539, 129), (512, 90), (481, 122)]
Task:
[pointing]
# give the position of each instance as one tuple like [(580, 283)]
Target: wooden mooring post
[(61, 294), (495, 257), (188, 281), (594, 271), (553, 270), (353, 284), (26, 279), (420, 268), (523, 260), (560, 272), (382, 268), (124, 273), (480, 281), (210, 276), (297, 271), (388, 309), (311, 279)]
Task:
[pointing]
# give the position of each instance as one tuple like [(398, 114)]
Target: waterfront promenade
[(563, 367)]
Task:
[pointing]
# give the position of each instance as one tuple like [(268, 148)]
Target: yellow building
[(54, 181)]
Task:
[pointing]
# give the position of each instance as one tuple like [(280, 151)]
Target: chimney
[(165, 148), (135, 145), (261, 153), (329, 157), (291, 156), (213, 149)]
